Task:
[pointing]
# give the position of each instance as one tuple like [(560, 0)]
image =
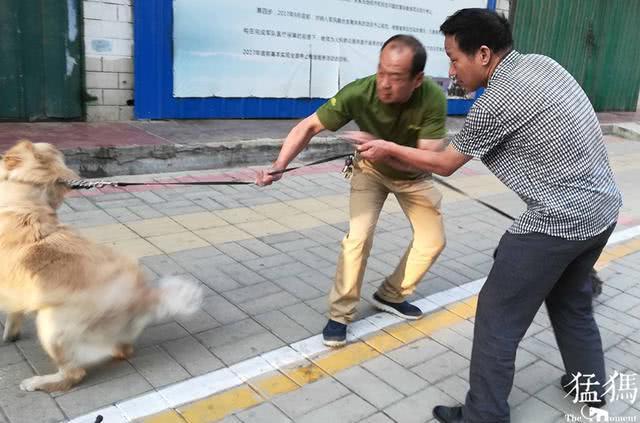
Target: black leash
[(477, 200), (86, 184)]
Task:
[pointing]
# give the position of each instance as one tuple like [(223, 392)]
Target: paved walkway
[(266, 258)]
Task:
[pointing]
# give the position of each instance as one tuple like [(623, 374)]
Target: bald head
[(406, 44)]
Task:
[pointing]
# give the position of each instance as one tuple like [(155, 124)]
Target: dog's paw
[(11, 337), (31, 384), (123, 352)]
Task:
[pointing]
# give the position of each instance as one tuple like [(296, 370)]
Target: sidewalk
[(142, 147), (266, 258)]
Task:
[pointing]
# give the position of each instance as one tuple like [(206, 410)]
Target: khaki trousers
[(420, 201)]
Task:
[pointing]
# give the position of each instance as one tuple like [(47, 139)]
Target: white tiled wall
[(502, 6), (108, 31)]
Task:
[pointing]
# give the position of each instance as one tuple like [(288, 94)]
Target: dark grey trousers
[(528, 270)]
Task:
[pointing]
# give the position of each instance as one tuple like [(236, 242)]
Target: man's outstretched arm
[(296, 141)]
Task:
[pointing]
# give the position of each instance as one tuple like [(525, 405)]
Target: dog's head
[(40, 165)]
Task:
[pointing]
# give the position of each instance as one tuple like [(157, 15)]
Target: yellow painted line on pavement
[(617, 251), (261, 389), (282, 381)]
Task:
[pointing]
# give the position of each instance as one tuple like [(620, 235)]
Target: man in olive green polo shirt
[(397, 103)]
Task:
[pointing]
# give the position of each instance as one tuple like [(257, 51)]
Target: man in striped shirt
[(536, 130)]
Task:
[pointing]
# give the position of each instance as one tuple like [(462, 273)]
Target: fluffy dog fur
[(91, 303)]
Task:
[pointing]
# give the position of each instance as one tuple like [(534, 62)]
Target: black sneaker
[(568, 385), (334, 334), (445, 414), (403, 309)]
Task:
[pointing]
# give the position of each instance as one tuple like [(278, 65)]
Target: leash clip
[(347, 170)]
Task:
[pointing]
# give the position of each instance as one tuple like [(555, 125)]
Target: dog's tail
[(178, 296)]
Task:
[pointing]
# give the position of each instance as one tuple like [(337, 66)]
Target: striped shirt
[(536, 130)]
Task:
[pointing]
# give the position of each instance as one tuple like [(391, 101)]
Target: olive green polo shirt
[(422, 117)]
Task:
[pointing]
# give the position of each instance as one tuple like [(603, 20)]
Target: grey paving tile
[(417, 352), (258, 247), (86, 219), (283, 326), (284, 271), (161, 333), (616, 326), (80, 204), (194, 357), (453, 341), (237, 251), (158, 367), (537, 376), (395, 375), (241, 274), (543, 351), (622, 357), (9, 354), (295, 245), (222, 310), (94, 397), (198, 322), (269, 262), (418, 407), (235, 342), (20, 407), (533, 409), (248, 348), (245, 294), (369, 387), (348, 409), (268, 303), (263, 413), (163, 265), (555, 397), (146, 212), (310, 397), (377, 418), (455, 387), (129, 202), (441, 366), (306, 316), (299, 288), (149, 197), (122, 214)]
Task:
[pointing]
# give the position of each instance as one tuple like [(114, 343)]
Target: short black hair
[(473, 28), (419, 53)]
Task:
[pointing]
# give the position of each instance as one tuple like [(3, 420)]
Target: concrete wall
[(108, 32)]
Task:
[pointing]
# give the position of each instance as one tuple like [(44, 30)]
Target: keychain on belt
[(347, 170)]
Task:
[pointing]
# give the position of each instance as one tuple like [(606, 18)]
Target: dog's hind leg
[(63, 380), (70, 353), (12, 327)]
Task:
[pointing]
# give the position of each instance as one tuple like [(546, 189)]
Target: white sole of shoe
[(334, 344), (383, 307)]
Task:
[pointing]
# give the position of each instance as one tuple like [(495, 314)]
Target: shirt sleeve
[(336, 112), (481, 132), (433, 123)]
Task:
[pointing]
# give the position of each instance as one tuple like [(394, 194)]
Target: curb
[(101, 162)]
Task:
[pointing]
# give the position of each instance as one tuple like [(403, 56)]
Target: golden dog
[(91, 303)]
